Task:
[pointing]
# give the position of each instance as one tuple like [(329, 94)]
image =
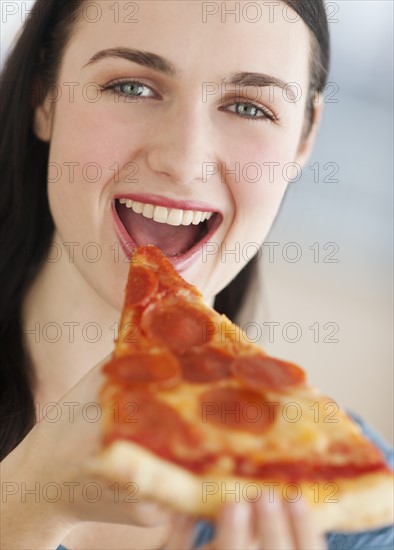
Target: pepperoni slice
[(263, 371), (205, 364), (139, 416), (161, 369), (237, 409), (170, 280), (141, 285), (177, 325)]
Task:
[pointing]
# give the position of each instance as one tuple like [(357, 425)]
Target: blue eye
[(134, 88), (130, 88), (250, 111)]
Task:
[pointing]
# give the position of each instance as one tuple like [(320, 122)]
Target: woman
[(166, 104)]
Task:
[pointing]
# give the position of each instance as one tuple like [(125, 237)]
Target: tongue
[(172, 240)]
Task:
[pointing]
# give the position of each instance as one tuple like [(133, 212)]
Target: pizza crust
[(362, 503)]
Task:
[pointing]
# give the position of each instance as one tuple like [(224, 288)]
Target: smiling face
[(179, 133)]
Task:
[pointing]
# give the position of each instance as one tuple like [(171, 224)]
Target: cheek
[(260, 178), (90, 152), (257, 172)]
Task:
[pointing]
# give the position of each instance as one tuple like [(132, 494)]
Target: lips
[(179, 228)]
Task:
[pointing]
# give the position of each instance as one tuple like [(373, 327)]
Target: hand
[(53, 460), (264, 525)]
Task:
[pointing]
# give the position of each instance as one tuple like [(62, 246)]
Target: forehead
[(203, 39)]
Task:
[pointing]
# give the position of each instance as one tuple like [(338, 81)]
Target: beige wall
[(357, 370), (356, 213)]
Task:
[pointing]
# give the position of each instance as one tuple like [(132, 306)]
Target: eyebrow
[(163, 65), (259, 80), (147, 59)]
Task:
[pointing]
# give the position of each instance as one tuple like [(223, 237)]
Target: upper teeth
[(171, 216)]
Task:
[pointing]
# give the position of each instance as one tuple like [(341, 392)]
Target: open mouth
[(178, 232)]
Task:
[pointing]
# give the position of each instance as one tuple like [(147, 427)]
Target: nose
[(181, 147)]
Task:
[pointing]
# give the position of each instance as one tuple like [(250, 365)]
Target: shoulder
[(377, 439), (379, 539)]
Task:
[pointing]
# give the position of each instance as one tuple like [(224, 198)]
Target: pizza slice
[(196, 415)]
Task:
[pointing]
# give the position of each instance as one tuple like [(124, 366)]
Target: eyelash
[(119, 83), (267, 114), (271, 117)]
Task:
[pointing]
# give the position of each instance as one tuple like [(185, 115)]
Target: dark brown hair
[(26, 225)]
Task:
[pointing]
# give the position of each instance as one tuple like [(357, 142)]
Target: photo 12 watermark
[(243, 409), (268, 172), (254, 12), (52, 492), (271, 491), (271, 331), (271, 251), (89, 11)]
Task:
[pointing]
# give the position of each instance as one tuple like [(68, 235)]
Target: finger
[(234, 527), (151, 514), (182, 533), (305, 532), (272, 526)]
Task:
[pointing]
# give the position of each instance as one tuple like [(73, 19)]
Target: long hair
[(26, 225)]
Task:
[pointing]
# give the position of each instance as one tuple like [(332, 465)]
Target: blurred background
[(327, 294), (334, 306)]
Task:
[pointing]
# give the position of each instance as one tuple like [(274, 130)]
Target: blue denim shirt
[(379, 539)]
